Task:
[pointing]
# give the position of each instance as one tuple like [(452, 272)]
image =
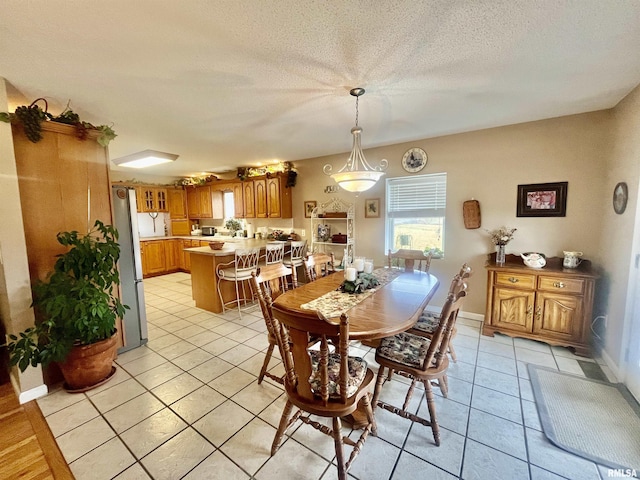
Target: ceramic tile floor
[(188, 406)]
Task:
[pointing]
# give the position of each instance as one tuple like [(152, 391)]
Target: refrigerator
[(125, 219)]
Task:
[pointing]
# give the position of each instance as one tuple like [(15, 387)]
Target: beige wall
[(15, 286), (488, 165), (617, 231)]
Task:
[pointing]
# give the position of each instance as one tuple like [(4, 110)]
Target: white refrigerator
[(125, 216)]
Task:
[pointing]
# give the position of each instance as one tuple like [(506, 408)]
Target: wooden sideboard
[(551, 304)]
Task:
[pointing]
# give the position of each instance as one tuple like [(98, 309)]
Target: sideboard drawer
[(517, 280), (559, 284)]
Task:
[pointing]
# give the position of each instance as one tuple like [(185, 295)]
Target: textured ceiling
[(231, 83)]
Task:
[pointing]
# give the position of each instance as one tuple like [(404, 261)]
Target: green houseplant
[(78, 306)]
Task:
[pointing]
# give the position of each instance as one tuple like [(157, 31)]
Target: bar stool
[(238, 271), (274, 253), (296, 256)]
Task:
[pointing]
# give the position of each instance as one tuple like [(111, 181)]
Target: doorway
[(632, 366)]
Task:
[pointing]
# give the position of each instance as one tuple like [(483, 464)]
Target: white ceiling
[(231, 83)]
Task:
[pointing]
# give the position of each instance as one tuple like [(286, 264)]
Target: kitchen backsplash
[(146, 225)]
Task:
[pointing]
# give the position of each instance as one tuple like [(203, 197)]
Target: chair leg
[(452, 353), (337, 440), (376, 391), (431, 404), (443, 383), (265, 364), (220, 295), (366, 403), (282, 427), (407, 399)]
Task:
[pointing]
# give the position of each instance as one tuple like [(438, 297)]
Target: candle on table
[(350, 274), (359, 264), (368, 266)]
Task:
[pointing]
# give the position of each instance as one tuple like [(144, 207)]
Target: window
[(416, 212), (229, 204)]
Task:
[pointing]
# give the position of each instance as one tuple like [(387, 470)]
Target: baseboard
[(478, 317), (612, 365), (32, 394)]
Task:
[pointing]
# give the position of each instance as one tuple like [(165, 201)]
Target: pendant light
[(357, 175)]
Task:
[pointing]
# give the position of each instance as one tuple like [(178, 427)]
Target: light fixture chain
[(357, 99)]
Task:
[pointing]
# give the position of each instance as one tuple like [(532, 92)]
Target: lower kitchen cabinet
[(552, 304), (153, 257), (171, 255)]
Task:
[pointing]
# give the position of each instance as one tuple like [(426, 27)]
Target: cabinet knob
[(513, 279), (558, 284)]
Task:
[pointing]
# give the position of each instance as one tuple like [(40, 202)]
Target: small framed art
[(542, 200), (372, 208), (308, 208), (620, 197)]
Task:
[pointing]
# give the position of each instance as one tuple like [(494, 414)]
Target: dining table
[(393, 307)]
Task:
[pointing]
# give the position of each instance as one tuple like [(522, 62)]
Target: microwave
[(208, 231)]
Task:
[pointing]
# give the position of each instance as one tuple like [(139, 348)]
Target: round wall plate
[(620, 197), (414, 160)]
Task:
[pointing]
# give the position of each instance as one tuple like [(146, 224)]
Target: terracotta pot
[(88, 366)]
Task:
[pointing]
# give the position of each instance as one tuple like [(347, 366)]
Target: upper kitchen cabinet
[(272, 197), (202, 202), (238, 200), (177, 203), (152, 199)]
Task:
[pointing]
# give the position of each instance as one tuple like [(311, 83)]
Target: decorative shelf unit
[(332, 218)]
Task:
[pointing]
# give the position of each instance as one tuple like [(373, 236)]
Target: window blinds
[(419, 196)]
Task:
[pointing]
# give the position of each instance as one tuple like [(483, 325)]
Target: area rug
[(596, 420)]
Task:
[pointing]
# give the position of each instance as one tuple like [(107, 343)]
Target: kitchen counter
[(204, 264), (206, 238)]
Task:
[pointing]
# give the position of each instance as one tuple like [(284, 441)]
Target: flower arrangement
[(278, 235), (364, 281), (502, 235)]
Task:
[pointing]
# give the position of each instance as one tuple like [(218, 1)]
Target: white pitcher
[(572, 259)]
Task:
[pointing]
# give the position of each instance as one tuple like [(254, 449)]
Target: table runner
[(334, 303)]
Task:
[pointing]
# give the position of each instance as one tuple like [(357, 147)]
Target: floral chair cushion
[(428, 322), (357, 372), (404, 348)]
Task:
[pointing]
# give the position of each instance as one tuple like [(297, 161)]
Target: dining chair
[(407, 259), (318, 265), (269, 282), (429, 321), (238, 271), (296, 254), (274, 253), (320, 383), (422, 359)]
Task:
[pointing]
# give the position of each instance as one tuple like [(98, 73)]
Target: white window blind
[(417, 196)]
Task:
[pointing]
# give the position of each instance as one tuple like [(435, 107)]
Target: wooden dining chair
[(321, 383), (318, 265), (269, 282), (429, 321), (410, 260), (420, 358)]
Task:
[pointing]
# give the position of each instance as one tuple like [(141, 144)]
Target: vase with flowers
[(500, 237)]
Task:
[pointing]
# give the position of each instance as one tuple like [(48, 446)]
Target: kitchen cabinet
[(203, 202), (238, 200), (177, 203), (171, 255), (152, 199), (249, 199), (552, 304), (272, 197), (153, 257)]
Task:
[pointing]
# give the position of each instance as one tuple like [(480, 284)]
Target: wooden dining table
[(391, 309)]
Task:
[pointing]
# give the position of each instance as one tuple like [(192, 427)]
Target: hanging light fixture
[(357, 175)]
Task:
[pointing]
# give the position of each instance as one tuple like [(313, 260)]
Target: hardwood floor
[(27, 447)]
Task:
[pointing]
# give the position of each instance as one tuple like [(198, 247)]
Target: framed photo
[(542, 200), (308, 208), (372, 208), (620, 197)]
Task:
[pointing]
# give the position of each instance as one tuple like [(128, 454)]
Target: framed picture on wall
[(372, 208), (308, 208), (542, 200)]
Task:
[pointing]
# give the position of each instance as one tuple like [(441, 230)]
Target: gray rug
[(596, 420)]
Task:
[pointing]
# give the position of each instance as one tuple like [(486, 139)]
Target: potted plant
[(78, 307)]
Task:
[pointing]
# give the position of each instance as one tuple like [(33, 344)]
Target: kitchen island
[(204, 262)]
